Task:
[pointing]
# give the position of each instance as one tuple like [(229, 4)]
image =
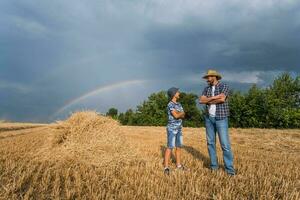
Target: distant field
[(9, 126), (93, 157)]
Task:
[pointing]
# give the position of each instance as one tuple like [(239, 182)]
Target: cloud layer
[(56, 51)]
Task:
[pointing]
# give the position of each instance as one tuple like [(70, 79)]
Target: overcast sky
[(57, 56)]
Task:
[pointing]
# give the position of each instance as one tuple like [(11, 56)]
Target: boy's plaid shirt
[(222, 109)]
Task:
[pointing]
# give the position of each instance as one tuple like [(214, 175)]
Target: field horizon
[(89, 156)]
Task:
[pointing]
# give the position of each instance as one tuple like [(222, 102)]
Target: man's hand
[(177, 114), (212, 100)]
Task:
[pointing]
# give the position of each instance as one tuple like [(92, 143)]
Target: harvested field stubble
[(90, 156)]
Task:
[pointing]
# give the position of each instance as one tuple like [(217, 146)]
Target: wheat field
[(89, 156)]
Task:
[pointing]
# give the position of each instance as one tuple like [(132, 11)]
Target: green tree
[(193, 116), (254, 112), (283, 102), (112, 112), (153, 111), (128, 118), (237, 104), (274, 107)]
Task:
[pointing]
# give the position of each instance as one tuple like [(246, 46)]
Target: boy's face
[(177, 95)]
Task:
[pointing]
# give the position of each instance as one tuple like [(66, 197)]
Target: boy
[(174, 129)]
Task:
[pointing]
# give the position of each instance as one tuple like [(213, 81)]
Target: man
[(174, 129), (215, 97)]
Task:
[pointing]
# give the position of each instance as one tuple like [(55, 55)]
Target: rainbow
[(97, 92)]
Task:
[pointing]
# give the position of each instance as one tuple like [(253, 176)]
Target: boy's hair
[(171, 92)]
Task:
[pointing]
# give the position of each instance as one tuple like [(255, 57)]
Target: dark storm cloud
[(242, 39), (55, 51)]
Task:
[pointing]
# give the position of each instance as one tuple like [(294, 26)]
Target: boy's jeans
[(221, 127), (174, 137)]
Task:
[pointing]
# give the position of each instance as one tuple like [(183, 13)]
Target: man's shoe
[(167, 171), (231, 174)]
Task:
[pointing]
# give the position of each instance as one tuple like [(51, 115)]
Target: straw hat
[(212, 73)]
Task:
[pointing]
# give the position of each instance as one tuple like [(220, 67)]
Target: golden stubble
[(90, 156)]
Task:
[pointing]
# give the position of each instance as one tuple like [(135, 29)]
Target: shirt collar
[(174, 102), (215, 85)]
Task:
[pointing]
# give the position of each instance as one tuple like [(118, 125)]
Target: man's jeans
[(221, 127)]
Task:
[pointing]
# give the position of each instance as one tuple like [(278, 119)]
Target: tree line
[(276, 106)]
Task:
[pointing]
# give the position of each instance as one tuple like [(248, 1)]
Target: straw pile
[(90, 138), (87, 127)]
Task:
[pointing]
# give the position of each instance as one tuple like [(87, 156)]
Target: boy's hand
[(178, 115)]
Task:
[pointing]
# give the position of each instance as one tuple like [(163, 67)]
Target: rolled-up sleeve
[(204, 93)]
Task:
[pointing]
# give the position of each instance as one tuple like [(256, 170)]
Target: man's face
[(211, 79)]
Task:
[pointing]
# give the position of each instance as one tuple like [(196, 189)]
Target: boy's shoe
[(167, 171), (181, 167)]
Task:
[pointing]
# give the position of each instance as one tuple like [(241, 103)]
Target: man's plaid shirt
[(222, 109)]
